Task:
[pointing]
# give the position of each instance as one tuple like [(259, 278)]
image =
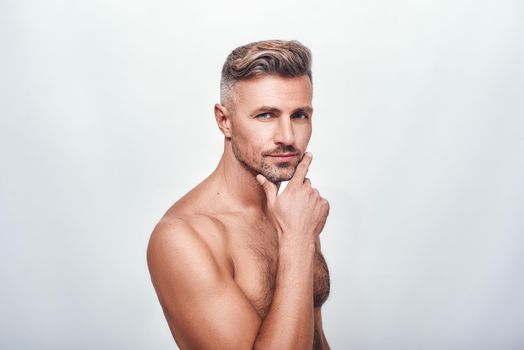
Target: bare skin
[(236, 266)]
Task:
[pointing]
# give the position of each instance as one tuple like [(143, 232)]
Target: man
[(236, 265)]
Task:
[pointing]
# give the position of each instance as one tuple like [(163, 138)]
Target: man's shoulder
[(188, 236), (183, 227), (197, 215)]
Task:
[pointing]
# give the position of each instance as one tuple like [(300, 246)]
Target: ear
[(223, 118)]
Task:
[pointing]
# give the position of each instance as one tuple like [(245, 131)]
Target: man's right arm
[(298, 215)]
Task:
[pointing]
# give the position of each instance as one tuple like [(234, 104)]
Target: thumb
[(269, 188)]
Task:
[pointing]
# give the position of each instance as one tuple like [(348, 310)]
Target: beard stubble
[(284, 171)]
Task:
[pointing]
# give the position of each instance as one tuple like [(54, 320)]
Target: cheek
[(240, 135), (256, 138), (304, 137), (248, 142), (253, 138)]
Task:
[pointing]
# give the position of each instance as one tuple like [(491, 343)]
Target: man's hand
[(300, 210), (298, 214)]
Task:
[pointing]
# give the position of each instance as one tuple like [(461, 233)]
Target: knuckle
[(325, 204)]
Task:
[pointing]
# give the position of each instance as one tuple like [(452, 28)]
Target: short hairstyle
[(268, 57)]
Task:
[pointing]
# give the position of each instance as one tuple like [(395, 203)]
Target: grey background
[(106, 119)]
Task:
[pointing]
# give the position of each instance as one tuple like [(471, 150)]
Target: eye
[(263, 116), (300, 115)]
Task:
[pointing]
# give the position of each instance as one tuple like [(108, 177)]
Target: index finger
[(301, 170)]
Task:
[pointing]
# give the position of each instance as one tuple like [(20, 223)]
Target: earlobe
[(223, 118)]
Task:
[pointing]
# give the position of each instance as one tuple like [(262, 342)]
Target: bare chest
[(256, 268)]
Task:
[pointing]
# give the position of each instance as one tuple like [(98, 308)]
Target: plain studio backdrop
[(107, 118)]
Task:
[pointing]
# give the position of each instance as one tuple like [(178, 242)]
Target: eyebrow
[(272, 109)]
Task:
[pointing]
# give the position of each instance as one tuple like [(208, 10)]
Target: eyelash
[(300, 116), (294, 116), (262, 114)]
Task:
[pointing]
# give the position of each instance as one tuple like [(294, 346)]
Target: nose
[(284, 134)]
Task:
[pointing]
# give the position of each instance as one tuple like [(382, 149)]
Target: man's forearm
[(290, 321)]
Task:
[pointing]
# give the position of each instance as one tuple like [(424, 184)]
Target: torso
[(247, 247), (252, 249)]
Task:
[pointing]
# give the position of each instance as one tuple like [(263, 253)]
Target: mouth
[(283, 157)]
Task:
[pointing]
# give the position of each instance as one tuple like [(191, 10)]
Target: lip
[(283, 157)]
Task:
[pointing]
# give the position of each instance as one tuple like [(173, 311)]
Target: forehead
[(270, 90)]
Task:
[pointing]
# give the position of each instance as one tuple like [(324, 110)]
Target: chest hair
[(266, 261)]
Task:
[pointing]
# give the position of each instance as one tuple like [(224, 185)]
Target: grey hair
[(269, 57)]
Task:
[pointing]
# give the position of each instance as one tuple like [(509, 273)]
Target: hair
[(269, 57)]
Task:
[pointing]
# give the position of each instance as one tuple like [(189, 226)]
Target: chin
[(279, 173)]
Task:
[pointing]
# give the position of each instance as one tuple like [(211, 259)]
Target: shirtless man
[(235, 264)]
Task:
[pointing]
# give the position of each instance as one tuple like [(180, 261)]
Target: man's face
[(271, 124)]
